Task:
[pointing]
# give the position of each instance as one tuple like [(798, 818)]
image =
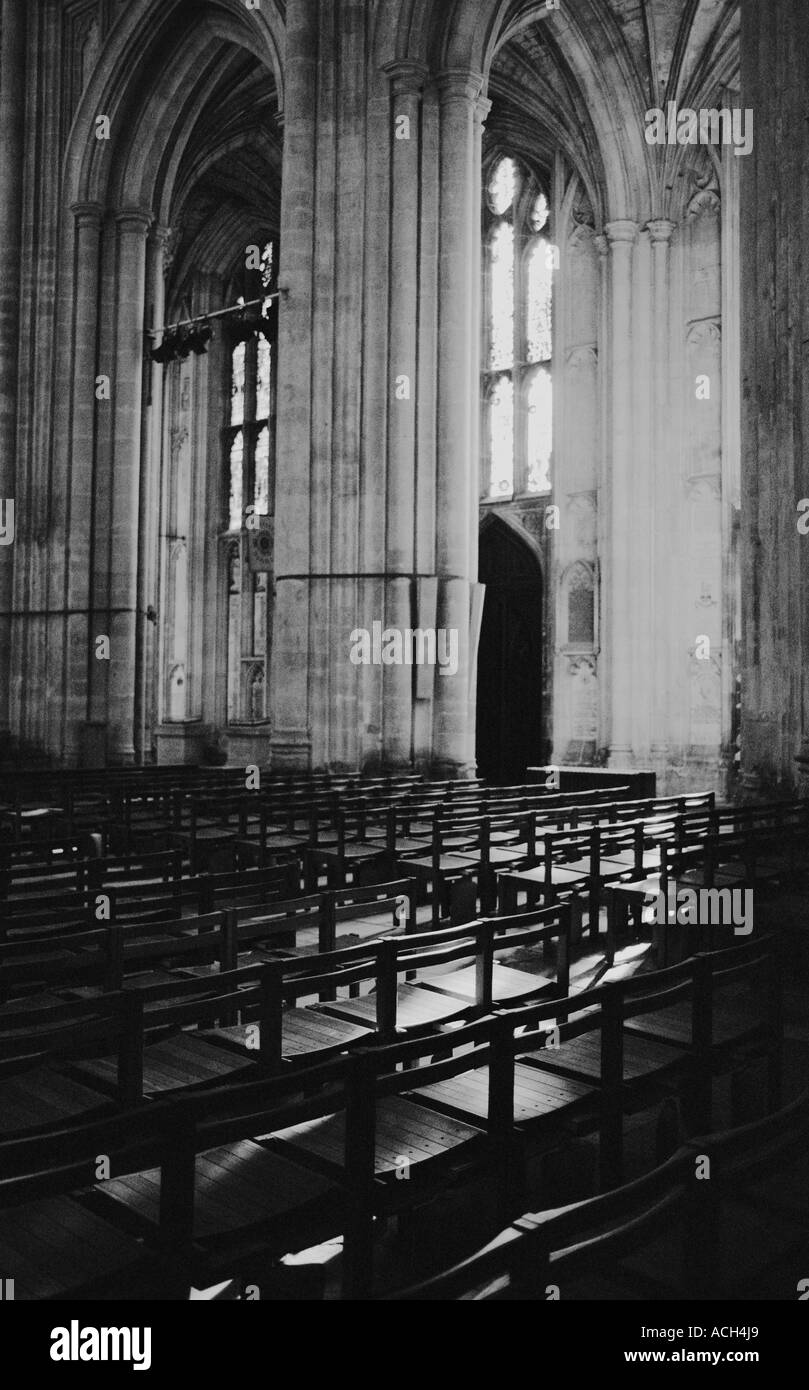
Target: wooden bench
[(669, 1233), (35, 1092), (53, 1243)]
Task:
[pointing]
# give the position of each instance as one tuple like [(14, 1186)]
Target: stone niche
[(705, 702), (579, 710)]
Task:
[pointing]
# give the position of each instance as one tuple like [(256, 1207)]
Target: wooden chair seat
[(651, 859), (30, 1001), (406, 844), (638, 887), (729, 876), (246, 958), (733, 1020), (374, 924), (404, 1130), (447, 864), (182, 1061), (498, 854), (55, 1247), (32, 815), (607, 869), (209, 830), (352, 852), (536, 1094), (304, 1031), (505, 853), (141, 979), (42, 1097), (237, 1186), (581, 1057), (560, 876), (415, 1007), (507, 983), (275, 844)]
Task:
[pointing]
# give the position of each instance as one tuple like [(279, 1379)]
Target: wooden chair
[(56, 1243), (36, 1091), (670, 1231)]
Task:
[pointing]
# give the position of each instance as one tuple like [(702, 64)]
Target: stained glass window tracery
[(503, 186), (501, 300), (250, 469), (517, 386)]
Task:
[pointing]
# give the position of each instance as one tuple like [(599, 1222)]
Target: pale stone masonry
[(361, 139)]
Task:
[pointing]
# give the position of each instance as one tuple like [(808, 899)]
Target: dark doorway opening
[(509, 688)]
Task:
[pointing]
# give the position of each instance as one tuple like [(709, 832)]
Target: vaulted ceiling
[(581, 78), (228, 187)]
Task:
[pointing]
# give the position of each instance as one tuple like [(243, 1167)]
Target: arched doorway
[(509, 686)]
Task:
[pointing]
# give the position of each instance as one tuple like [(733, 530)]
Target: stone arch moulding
[(464, 35), (522, 533), (120, 71)]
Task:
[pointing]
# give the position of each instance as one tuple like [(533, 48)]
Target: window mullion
[(520, 470), (250, 424)]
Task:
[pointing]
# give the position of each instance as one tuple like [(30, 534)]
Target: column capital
[(161, 235), (482, 108), (135, 219), (660, 230), (459, 84), (87, 214), (406, 76), (621, 233)]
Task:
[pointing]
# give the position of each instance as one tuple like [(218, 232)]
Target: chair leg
[(612, 928), (669, 1130)]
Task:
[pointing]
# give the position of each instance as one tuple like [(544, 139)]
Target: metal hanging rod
[(217, 314)]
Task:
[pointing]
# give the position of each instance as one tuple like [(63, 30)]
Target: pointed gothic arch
[(510, 722)]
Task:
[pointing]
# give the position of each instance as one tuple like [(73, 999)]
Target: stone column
[(774, 201), (482, 108), (407, 82), (622, 236), (12, 123), (731, 454), (291, 619), (82, 368), (603, 549), (149, 504), (127, 388), (457, 471), (660, 231)]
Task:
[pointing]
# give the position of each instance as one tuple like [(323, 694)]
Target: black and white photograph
[(404, 718)]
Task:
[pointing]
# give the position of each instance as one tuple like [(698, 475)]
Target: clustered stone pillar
[(621, 236), (660, 231), (457, 471), (775, 396), (293, 541), (12, 113), (82, 367), (149, 504), (127, 382), (407, 81), (376, 503)]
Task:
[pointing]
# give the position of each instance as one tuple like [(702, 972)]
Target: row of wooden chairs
[(215, 1183), (755, 848), (540, 852), (190, 1022), (722, 1218)]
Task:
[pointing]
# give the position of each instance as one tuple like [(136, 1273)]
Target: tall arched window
[(517, 385), (249, 453)]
